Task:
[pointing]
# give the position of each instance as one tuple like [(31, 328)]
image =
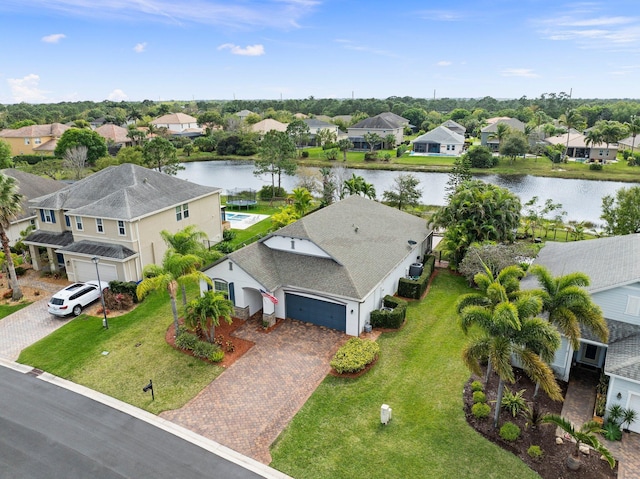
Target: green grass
[(337, 434), (137, 352), (6, 309)]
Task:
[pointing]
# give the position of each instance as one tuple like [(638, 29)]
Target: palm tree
[(205, 312), (328, 185), (176, 269), (593, 138), (502, 130), (571, 120), (585, 435), (189, 240), (507, 331), (569, 306), (344, 145), (10, 206), (633, 127), (302, 200)]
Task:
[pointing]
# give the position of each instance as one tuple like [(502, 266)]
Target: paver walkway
[(30, 324), (578, 408), (248, 405)]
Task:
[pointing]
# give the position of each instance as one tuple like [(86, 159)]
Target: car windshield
[(57, 301)]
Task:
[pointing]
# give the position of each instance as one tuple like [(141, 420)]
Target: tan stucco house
[(34, 139), (176, 122), (116, 215)]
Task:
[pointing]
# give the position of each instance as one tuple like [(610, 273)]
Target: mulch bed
[(552, 465), (241, 346)]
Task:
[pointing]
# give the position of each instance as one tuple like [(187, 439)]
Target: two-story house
[(614, 270), (116, 215), (34, 139), (383, 124), (177, 122), (488, 136)]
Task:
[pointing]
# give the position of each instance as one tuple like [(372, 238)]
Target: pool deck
[(250, 220)]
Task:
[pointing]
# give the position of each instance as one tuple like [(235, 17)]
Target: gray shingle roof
[(442, 135), (359, 259), (623, 353), (124, 192), (609, 262), (378, 122), (49, 238), (511, 122), (315, 123), (453, 125), (96, 248), (30, 187)]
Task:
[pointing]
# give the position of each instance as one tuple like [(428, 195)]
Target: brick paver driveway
[(248, 405)]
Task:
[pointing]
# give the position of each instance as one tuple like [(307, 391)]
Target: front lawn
[(337, 434), (137, 351), (7, 309)]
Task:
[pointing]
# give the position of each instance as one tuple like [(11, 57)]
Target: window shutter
[(53, 216), (42, 215)]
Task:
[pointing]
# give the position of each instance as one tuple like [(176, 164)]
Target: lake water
[(581, 199)]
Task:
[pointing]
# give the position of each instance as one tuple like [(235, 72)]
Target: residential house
[(383, 124), (331, 267), (578, 148), (614, 270), (177, 123), (392, 117), (629, 143), (487, 137), (116, 215), (439, 141), (267, 125), (114, 135), (455, 127), (243, 114), (30, 187), (316, 125), (34, 139)]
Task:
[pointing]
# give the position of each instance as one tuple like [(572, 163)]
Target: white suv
[(72, 299)]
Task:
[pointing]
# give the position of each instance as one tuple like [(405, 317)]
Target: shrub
[(513, 402), (535, 452), (611, 431), (371, 156), (509, 431), (595, 166), (266, 192), (117, 301), (186, 341), (20, 270), (305, 154), (477, 386), (228, 235), (355, 355), (217, 356), (479, 396), (532, 415), (225, 247), (122, 287), (481, 410), (389, 319), (415, 288), (205, 350)]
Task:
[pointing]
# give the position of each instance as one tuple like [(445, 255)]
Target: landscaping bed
[(552, 464)]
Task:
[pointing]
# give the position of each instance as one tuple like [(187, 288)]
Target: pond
[(581, 199)]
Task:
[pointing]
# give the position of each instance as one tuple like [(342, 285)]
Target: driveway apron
[(248, 405)]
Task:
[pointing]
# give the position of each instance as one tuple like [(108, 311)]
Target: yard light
[(385, 414), (149, 387), (105, 322)]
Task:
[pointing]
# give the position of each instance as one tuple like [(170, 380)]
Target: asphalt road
[(50, 432)]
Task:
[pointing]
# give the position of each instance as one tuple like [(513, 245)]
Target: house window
[(26, 141), (47, 216), (121, 229), (221, 287), (590, 352), (182, 211), (67, 221), (99, 225), (633, 306), (37, 141), (79, 225)]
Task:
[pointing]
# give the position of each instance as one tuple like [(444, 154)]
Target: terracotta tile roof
[(54, 130), (115, 133)]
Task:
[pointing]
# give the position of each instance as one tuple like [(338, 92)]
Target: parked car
[(72, 299)]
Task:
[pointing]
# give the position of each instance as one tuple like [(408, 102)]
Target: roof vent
[(144, 180)]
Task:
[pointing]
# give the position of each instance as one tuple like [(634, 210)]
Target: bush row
[(124, 287), (415, 288), (389, 319), (355, 355), (201, 349)]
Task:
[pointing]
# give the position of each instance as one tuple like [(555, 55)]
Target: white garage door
[(86, 271), (634, 403)]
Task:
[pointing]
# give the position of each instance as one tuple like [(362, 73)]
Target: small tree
[(460, 173), (298, 130), (622, 213), (390, 141), (344, 145), (160, 154), (372, 139), (10, 206), (276, 152), (302, 200), (206, 311), (514, 145), (96, 145), (404, 191), (5, 155), (75, 158)]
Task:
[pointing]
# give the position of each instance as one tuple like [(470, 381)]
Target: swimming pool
[(236, 216)]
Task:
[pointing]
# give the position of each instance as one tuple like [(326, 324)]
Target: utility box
[(385, 414)]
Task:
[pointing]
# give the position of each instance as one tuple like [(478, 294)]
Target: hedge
[(355, 355), (121, 287), (389, 319), (414, 289)]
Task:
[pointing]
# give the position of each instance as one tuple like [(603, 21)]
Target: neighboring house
[(486, 134), (177, 122), (34, 139), (267, 125), (300, 116), (331, 267), (627, 143), (243, 114), (614, 269), (383, 124), (439, 141), (116, 215), (392, 117), (114, 135), (316, 125), (30, 187), (455, 127), (578, 147)]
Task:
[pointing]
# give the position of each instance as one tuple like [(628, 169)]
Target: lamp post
[(105, 323)]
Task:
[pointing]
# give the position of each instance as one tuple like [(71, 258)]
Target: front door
[(591, 354)]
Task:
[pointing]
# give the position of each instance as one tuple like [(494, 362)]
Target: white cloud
[(444, 63), (53, 38), (519, 72), (26, 89), (249, 50), (117, 95), (140, 47)]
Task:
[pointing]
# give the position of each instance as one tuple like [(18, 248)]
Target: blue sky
[(72, 50)]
